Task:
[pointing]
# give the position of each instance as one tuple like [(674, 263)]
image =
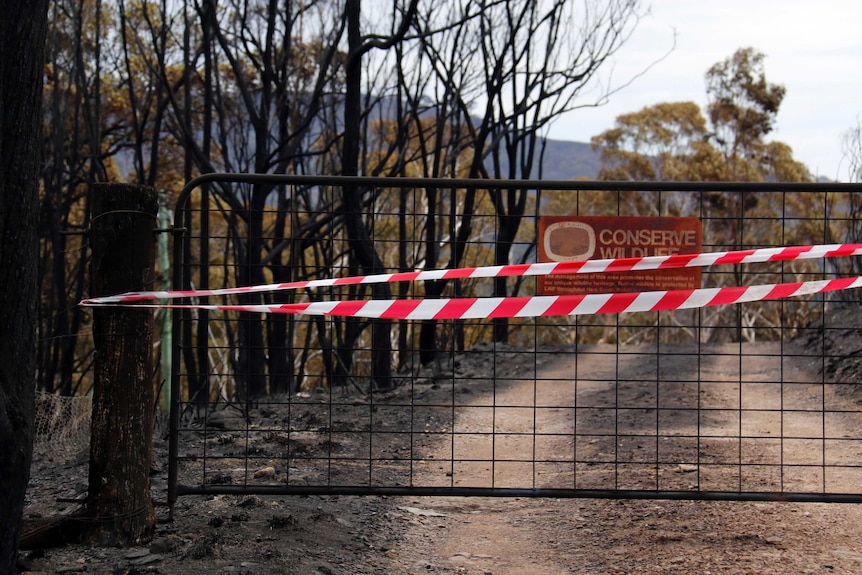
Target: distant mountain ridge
[(564, 160), (567, 160)]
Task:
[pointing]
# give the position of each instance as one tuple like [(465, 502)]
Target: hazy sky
[(813, 48)]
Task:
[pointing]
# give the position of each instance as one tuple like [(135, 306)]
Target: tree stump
[(119, 504)]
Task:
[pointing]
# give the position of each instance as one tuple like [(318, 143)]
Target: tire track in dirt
[(689, 411)]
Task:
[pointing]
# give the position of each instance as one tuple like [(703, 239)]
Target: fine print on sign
[(578, 238)]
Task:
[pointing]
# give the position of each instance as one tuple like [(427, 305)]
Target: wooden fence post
[(119, 503)]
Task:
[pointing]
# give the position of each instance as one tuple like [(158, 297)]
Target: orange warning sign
[(577, 238)]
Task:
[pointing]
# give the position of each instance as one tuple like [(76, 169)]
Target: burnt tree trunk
[(123, 244), (22, 43), (361, 243)]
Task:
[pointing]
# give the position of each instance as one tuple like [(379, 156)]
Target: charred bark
[(22, 42), (119, 505)]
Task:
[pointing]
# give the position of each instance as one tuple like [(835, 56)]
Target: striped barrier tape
[(537, 306), (537, 269)]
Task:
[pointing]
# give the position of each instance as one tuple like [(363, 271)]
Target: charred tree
[(22, 43), (360, 242)]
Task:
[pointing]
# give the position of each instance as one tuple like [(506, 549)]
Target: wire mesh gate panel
[(749, 401)]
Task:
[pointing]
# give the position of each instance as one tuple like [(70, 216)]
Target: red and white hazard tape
[(537, 269), (540, 306)]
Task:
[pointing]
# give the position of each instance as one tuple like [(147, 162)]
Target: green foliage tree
[(742, 110), (664, 142)]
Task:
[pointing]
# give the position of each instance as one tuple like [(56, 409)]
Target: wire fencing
[(742, 401)]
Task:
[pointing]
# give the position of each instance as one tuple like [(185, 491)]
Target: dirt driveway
[(588, 536), (682, 434)]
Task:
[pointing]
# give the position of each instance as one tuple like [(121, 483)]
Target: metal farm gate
[(750, 401)]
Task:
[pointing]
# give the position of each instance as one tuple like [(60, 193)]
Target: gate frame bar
[(179, 233)]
